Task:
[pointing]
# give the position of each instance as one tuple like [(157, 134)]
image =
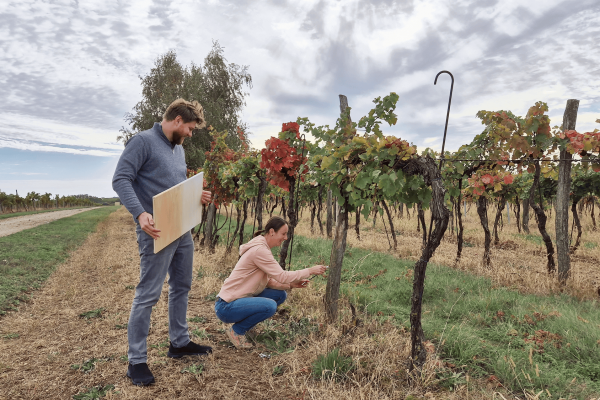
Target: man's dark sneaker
[(191, 349), (140, 374)]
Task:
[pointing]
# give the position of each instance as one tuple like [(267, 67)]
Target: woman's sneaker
[(239, 341)]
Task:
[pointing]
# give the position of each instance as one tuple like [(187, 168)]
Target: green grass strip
[(27, 258), (19, 214), (529, 342)]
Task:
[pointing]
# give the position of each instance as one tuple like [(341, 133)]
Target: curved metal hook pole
[(448, 113), (445, 131)]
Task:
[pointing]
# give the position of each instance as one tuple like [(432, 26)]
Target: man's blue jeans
[(176, 259), (246, 312)]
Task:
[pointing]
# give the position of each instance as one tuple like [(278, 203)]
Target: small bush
[(200, 334), (211, 297), (332, 365), (86, 366), (198, 320), (95, 392), (195, 369), (92, 314)]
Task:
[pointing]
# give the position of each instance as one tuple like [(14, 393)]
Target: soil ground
[(43, 341)]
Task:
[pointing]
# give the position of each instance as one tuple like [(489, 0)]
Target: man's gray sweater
[(149, 165)]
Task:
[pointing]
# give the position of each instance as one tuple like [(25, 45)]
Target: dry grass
[(52, 337), (517, 262)]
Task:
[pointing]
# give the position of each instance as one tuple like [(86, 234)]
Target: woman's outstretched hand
[(299, 284), (318, 269)]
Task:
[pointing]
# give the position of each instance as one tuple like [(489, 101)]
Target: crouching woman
[(257, 284)]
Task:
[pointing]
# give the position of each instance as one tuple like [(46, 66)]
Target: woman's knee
[(271, 307), (282, 297)]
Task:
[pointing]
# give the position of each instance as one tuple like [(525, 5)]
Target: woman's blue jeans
[(246, 312), (176, 260)]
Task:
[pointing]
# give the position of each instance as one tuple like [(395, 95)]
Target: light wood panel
[(177, 210)]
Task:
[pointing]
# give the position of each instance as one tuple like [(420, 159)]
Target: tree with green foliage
[(217, 85)]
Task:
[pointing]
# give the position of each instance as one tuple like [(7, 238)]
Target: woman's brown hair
[(274, 222)]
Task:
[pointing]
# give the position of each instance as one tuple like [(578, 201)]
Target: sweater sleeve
[(132, 159), (265, 261), (273, 284)]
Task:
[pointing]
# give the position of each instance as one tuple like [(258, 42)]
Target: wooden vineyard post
[(562, 196), (332, 291)]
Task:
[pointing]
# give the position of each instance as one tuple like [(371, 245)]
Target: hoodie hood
[(257, 241)]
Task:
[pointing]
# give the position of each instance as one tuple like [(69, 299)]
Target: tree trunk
[(501, 206), (541, 218), (387, 211), (313, 211), (401, 210), (283, 208), (292, 221), (518, 214), (208, 228), (482, 212), (243, 223), (592, 214), (235, 232), (357, 225), (422, 222), (452, 216), (579, 232), (320, 208), (426, 167), (329, 215), (332, 291), (525, 224), (459, 236), (375, 211), (274, 207), (259, 200), (562, 197)]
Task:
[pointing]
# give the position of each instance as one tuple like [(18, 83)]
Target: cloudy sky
[(69, 69)]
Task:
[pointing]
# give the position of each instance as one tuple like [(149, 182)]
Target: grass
[(332, 365), (95, 392), (531, 343), (27, 258), (19, 214)]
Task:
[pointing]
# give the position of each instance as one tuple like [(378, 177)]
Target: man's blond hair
[(188, 110)]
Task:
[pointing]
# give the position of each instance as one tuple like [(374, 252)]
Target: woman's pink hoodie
[(256, 270)]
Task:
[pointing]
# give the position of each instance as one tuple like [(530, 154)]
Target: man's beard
[(177, 138)]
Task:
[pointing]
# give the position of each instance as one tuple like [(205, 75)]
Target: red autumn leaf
[(487, 179)]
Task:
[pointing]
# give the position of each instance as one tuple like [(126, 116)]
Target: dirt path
[(13, 225)]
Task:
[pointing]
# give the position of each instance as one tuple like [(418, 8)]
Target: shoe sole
[(179, 355), (141, 383)]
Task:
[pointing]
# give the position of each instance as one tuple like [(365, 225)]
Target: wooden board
[(177, 210)]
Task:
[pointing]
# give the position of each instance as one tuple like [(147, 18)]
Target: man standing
[(152, 162)]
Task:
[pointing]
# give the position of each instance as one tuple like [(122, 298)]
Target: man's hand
[(206, 196), (299, 284), (147, 225)]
